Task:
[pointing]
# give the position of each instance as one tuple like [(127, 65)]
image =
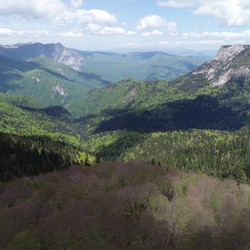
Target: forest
[(114, 206), (32, 155), (203, 112), (217, 153), (137, 165)]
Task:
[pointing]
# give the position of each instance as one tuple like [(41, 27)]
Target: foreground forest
[(136, 205)]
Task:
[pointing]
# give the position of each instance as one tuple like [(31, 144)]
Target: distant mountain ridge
[(55, 52), (55, 75), (123, 65), (149, 65)]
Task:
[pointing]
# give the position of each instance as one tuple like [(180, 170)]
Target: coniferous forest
[(26, 156)]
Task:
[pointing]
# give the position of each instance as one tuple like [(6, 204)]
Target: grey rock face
[(230, 64), (68, 57)]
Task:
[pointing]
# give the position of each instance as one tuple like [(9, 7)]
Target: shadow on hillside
[(11, 64), (55, 112), (204, 112)]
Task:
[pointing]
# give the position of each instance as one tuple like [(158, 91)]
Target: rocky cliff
[(232, 63)]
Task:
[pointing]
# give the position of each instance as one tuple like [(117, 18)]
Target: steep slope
[(119, 95), (232, 63), (134, 95)]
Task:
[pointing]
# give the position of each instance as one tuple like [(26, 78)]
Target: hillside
[(179, 98), (202, 126), (138, 110), (48, 82), (22, 116), (35, 139), (217, 153)]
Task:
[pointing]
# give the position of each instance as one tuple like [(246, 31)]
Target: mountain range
[(215, 96), (55, 75), (87, 163), (225, 77), (46, 74)]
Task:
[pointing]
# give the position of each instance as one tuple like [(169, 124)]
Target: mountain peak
[(228, 52), (230, 64)]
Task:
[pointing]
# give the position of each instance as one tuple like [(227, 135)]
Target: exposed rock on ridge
[(227, 53), (232, 63), (68, 57), (55, 52)]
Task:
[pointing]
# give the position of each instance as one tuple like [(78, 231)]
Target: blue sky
[(123, 24)]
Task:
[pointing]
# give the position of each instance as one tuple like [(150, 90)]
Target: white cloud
[(101, 16), (153, 33), (220, 35), (110, 31), (23, 33), (84, 17), (31, 9), (165, 43), (176, 3), (54, 10), (99, 30), (231, 12), (76, 3), (70, 34), (64, 16), (155, 22), (131, 33)]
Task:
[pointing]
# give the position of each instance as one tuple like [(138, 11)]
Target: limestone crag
[(232, 63), (68, 57)]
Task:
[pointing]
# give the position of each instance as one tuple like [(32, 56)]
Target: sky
[(126, 24)]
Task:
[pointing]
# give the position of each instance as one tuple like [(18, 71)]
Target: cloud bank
[(230, 12)]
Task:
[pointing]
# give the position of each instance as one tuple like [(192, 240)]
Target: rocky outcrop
[(68, 57), (58, 89), (232, 63)]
